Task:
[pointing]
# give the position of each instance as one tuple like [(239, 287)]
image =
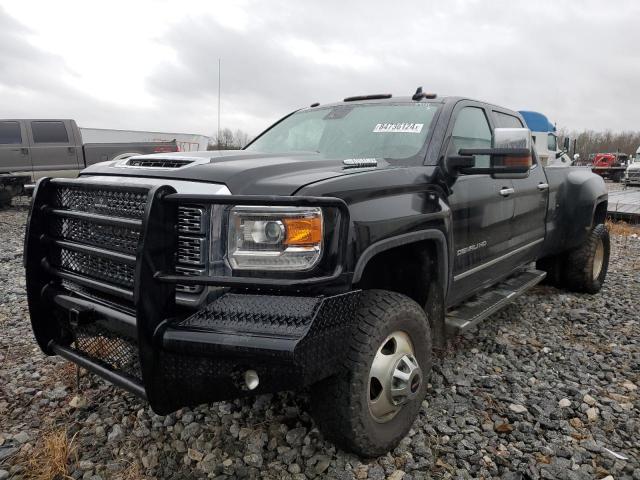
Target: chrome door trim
[(473, 270)]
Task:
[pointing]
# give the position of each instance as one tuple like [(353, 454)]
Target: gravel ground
[(548, 388)]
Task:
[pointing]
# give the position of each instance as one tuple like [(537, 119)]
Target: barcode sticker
[(398, 128)]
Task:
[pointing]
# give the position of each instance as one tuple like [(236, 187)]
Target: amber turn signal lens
[(303, 231), (518, 162)]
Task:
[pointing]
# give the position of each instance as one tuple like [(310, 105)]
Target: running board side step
[(469, 314)]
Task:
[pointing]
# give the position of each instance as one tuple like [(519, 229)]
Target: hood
[(634, 166), (242, 172)]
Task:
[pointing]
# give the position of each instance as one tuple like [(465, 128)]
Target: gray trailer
[(31, 149)]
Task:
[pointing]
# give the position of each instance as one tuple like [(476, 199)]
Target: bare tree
[(590, 142), (241, 138), (230, 140)]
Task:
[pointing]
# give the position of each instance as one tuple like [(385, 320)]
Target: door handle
[(71, 149), (543, 186), (25, 151), (505, 192)]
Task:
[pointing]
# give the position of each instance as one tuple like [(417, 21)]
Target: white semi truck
[(632, 174), (545, 139)]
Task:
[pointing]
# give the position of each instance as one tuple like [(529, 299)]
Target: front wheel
[(370, 406), (586, 267)]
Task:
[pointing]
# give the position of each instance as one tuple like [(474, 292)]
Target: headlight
[(274, 238)]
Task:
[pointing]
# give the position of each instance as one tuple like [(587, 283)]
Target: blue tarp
[(537, 122)]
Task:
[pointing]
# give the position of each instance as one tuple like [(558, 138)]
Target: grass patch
[(624, 229), (66, 373), (51, 458), (132, 472)]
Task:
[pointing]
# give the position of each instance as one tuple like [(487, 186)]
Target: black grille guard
[(143, 312), (154, 250)]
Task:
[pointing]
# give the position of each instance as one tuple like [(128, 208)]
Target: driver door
[(482, 209)]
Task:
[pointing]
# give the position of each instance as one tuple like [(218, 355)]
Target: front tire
[(370, 406), (586, 267)]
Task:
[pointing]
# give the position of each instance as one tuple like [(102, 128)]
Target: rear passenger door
[(530, 195), (53, 151), (14, 147), (482, 208)]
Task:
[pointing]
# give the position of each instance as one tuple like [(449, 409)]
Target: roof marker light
[(419, 95), (378, 96)]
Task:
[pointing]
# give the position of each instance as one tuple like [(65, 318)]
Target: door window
[(10, 133), (504, 120), (49, 132), (471, 130)]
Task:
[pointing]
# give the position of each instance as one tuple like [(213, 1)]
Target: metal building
[(187, 142)]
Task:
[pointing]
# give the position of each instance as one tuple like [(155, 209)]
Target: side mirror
[(510, 157), (566, 144)]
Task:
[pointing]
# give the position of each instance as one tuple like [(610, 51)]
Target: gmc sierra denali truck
[(333, 252), (31, 149)]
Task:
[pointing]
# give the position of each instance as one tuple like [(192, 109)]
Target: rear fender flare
[(603, 199)]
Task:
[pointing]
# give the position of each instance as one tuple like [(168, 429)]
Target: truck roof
[(440, 99)]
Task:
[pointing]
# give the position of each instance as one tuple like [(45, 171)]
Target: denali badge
[(471, 248), (359, 162)]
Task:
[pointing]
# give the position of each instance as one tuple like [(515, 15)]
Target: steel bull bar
[(101, 285)]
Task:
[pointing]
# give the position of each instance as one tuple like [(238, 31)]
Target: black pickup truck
[(334, 252)]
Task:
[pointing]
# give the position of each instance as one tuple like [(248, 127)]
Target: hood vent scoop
[(158, 162)]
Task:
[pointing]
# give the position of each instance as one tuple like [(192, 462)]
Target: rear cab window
[(49, 132), (504, 120), (10, 133)]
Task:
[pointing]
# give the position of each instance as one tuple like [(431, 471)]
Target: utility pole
[(218, 139)]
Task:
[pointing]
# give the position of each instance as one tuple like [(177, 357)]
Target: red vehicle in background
[(610, 165)]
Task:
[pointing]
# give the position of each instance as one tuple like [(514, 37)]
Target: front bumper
[(289, 341), (115, 313), (632, 177)]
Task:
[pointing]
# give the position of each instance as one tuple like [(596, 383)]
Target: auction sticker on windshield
[(398, 128)]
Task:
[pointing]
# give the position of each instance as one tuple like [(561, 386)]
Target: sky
[(153, 65)]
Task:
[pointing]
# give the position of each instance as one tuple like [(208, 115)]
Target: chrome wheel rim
[(394, 377), (598, 259)]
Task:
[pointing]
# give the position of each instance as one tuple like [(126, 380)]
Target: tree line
[(229, 140), (590, 142)]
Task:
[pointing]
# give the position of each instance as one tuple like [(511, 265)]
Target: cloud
[(35, 83), (576, 62)]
